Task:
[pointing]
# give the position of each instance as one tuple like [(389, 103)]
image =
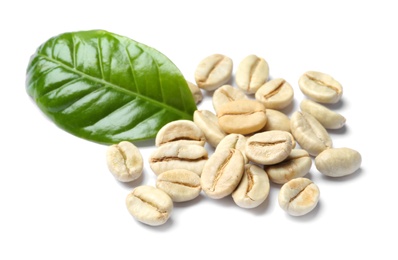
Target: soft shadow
[(357, 174), (161, 228), (290, 108), (208, 93), (145, 143), (231, 81), (132, 184), (225, 202), (189, 203), (340, 131), (262, 208), (335, 106), (309, 175), (274, 185), (309, 216)]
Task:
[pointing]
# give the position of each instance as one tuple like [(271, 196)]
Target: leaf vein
[(82, 97), (159, 79), (155, 102), (132, 69), (100, 58), (61, 86), (44, 73), (154, 115), (74, 62)]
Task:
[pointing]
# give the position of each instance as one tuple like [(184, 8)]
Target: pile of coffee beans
[(254, 143)]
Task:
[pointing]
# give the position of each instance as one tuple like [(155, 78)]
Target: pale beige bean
[(242, 116), (261, 131), (252, 73), (196, 92), (176, 155), (298, 196), (268, 147), (124, 161), (225, 94), (337, 162), (181, 185), (180, 130), (149, 205), (275, 94), (207, 121), (253, 188), (222, 173), (236, 141), (320, 87), (309, 133), (297, 164), (213, 71), (327, 117), (293, 140), (276, 120)]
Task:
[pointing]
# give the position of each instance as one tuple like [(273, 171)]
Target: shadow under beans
[(160, 228), (340, 131), (225, 202), (357, 174), (309, 216), (290, 108), (145, 143), (335, 106), (207, 94), (231, 81), (262, 208), (132, 184), (190, 203)]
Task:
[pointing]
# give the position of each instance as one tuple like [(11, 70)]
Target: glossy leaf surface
[(107, 88)]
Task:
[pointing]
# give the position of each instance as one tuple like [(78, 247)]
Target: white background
[(59, 201)]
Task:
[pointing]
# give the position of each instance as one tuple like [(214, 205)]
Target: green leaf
[(107, 88)]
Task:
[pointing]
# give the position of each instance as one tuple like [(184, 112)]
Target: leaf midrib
[(159, 104)]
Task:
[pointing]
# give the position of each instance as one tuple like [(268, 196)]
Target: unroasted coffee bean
[(208, 122), (180, 130), (275, 94), (253, 188), (252, 73), (181, 185), (328, 118), (293, 140), (297, 164), (236, 141), (298, 196), (196, 93), (176, 155), (242, 116), (213, 71), (320, 87), (337, 162), (225, 94), (309, 133), (276, 120), (124, 161), (268, 147), (222, 173), (149, 205), (261, 131)]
